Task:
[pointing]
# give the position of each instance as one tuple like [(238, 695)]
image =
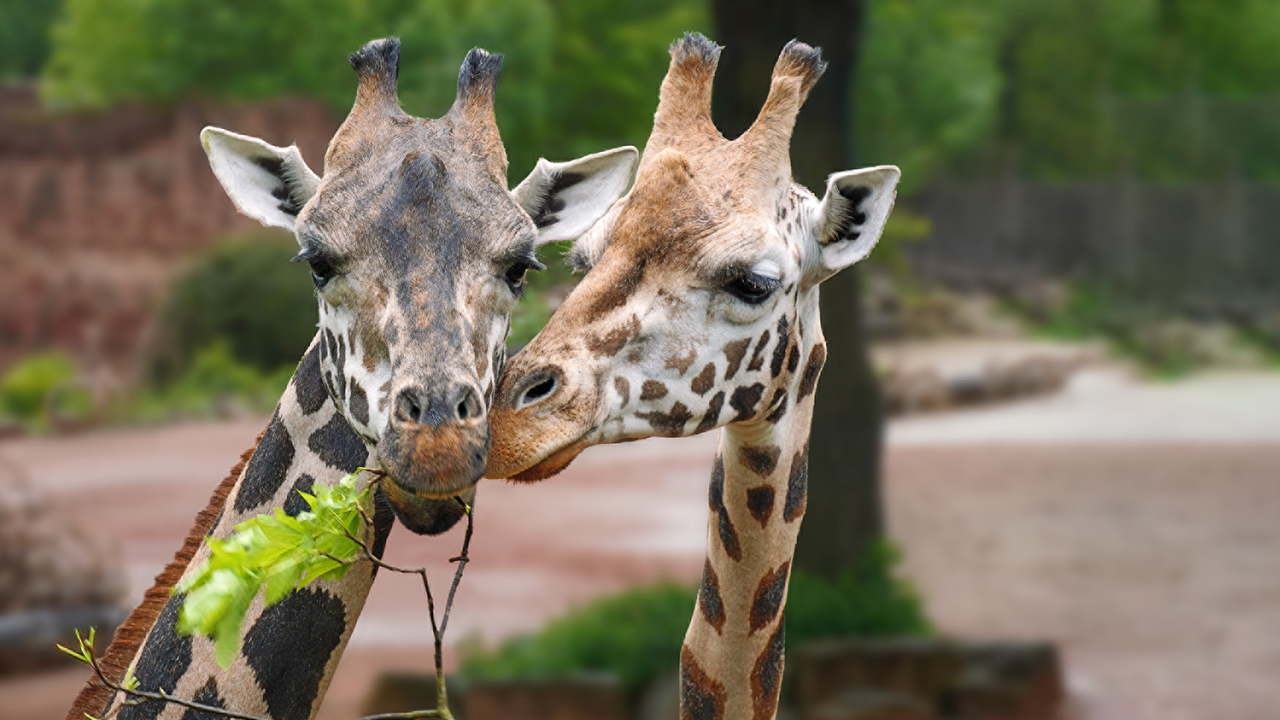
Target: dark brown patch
[(797, 485), (384, 396), (760, 460), (744, 400), (93, 697), (770, 593), (709, 597), (308, 386), (757, 355), (760, 503), (702, 383), (668, 424), (682, 362), (701, 698), (652, 390), (635, 355), (808, 381), (612, 342), (793, 358), (734, 352), (359, 403), (780, 350), (623, 386), (765, 677), (715, 499), (712, 416)]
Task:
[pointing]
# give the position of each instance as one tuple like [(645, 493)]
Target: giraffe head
[(700, 307), (418, 252)]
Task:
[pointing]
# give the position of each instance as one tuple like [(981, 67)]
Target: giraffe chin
[(426, 515), (550, 465)]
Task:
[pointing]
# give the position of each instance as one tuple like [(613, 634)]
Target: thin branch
[(162, 696)]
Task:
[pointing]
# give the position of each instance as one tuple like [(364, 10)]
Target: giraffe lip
[(552, 464)]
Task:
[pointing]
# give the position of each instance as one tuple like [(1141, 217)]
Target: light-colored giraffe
[(418, 252), (700, 310)]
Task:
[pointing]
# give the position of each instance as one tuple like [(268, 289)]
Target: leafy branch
[(283, 554)]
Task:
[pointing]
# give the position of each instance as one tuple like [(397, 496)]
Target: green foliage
[(276, 552), (214, 385), (579, 76), (637, 634), (24, 36), (544, 291), (867, 600), (39, 385), (246, 293)]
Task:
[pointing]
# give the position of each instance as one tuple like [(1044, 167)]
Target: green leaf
[(274, 554)]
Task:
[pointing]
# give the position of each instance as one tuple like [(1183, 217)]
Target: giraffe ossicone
[(699, 310), (418, 252)]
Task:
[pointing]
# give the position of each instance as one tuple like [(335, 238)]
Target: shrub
[(246, 293), (215, 385), (637, 634), (40, 384)]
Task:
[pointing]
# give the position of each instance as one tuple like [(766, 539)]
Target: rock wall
[(98, 211)]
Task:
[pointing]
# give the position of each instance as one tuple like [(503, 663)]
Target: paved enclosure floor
[(1119, 519)]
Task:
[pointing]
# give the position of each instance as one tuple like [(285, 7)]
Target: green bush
[(41, 384), (637, 634), (246, 293), (214, 385)]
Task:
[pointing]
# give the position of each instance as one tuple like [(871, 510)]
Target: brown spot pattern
[(724, 525), (808, 381), (702, 383), (793, 358), (744, 400), (701, 698), (612, 342), (614, 294), (668, 424), (776, 414), (757, 355), (760, 503), (734, 352), (709, 598), (770, 593), (623, 387), (780, 350), (712, 416), (760, 460), (765, 677), (682, 362), (797, 485), (652, 390)]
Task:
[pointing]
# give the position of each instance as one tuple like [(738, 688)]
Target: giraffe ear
[(268, 183), (566, 199), (852, 216)]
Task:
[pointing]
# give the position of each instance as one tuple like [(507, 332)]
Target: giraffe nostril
[(468, 406), (539, 391), (408, 407)]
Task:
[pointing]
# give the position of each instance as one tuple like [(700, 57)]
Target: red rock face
[(98, 211)]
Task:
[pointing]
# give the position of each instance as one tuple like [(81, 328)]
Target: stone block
[(577, 697)]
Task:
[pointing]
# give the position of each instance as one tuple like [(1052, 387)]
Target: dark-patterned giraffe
[(700, 310), (418, 253)]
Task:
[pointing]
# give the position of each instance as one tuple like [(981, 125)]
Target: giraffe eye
[(321, 271), (514, 276), (753, 289)]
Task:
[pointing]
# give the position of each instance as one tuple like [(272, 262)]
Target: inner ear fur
[(269, 184), (852, 216), (566, 199)]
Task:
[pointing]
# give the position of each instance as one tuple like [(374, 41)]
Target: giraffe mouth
[(425, 515), (551, 465)]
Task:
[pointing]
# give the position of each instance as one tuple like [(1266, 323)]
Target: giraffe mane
[(133, 631)]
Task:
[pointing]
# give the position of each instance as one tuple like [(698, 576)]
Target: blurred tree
[(24, 36), (844, 516), (594, 58)]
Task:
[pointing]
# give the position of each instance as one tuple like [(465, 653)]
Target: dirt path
[(1154, 558)]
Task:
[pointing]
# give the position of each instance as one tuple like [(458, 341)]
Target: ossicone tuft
[(802, 61), (378, 60), (478, 76), (695, 48)]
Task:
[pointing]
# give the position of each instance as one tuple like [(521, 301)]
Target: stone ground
[(1136, 524)]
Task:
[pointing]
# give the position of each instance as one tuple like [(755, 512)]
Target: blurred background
[(1045, 476)]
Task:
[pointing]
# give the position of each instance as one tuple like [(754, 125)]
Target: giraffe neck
[(732, 659), (290, 651)]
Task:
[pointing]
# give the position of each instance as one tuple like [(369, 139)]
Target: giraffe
[(418, 253), (699, 310)]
